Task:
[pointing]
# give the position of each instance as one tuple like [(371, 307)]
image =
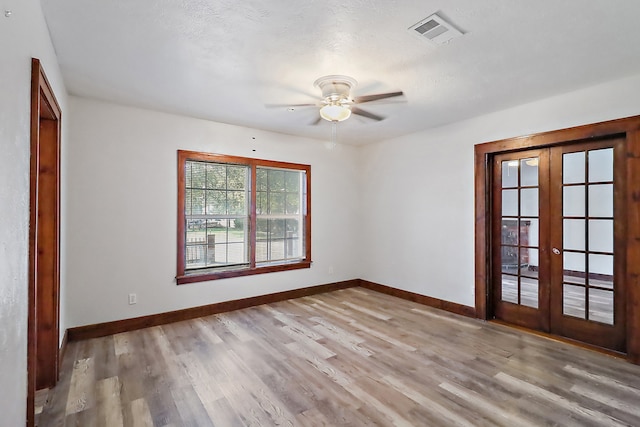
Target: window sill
[(215, 275)]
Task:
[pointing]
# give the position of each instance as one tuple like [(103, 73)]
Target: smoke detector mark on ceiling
[(435, 29)]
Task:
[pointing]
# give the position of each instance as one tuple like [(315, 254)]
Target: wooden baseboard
[(452, 307), (125, 325)]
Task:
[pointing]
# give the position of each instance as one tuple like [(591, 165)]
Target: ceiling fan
[(337, 104)]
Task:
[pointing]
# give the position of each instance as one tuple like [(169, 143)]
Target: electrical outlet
[(133, 299)]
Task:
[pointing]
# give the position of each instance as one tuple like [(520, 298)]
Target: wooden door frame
[(629, 130), (45, 112)]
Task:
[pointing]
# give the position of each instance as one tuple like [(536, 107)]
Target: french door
[(558, 236)]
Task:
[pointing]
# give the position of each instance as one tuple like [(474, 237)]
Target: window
[(239, 216)]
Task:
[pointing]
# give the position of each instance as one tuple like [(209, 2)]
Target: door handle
[(556, 251)]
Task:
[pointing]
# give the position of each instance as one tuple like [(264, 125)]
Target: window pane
[(573, 232), (601, 165), (574, 261), (276, 180), (276, 203), (529, 172), (262, 251), (236, 202), (601, 235), (216, 176), (226, 242), (292, 182), (236, 253), (510, 231), (572, 276), (196, 239), (198, 173), (197, 202), (276, 228), (601, 200), (573, 301), (601, 265), (510, 288), (529, 262), (573, 168), (262, 207), (529, 202), (601, 280), (573, 202), (187, 174), (280, 236), (236, 177), (211, 241), (510, 174), (510, 203), (293, 203), (195, 255), (261, 179), (293, 239), (529, 292), (509, 259), (529, 232), (216, 202), (187, 202), (214, 242), (601, 306)]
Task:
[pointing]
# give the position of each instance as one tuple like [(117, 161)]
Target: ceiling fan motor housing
[(335, 88)]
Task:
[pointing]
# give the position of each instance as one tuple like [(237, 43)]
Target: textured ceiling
[(224, 60)]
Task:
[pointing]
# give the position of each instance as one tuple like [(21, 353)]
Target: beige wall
[(418, 199), (121, 215)]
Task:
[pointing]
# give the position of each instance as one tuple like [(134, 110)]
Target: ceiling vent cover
[(435, 29)]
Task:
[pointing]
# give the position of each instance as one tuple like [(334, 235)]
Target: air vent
[(435, 29)]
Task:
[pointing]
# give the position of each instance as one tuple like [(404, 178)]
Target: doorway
[(557, 220), (599, 277), (44, 239)]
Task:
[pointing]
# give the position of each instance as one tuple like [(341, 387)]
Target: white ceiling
[(223, 60)]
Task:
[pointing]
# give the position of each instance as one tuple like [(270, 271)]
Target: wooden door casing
[(44, 239)]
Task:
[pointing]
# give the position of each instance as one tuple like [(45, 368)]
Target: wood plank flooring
[(352, 357)]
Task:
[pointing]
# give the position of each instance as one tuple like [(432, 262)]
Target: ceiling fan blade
[(316, 121), (369, 98), (289, 105), (363, 113)]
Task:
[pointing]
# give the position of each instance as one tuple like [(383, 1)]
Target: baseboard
[(125, 325), (452, 307)]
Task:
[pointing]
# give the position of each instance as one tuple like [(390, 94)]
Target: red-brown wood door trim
[(44, 239)]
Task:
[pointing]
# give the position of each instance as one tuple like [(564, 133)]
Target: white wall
[(23, 35), (121, 234), (418, 203)]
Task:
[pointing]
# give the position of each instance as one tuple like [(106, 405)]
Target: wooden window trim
[(183, 276), (629, 129)]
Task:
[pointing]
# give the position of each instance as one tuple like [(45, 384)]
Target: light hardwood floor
[(351, 357)]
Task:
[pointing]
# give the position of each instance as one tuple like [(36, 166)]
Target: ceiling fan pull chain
[(334, 134)]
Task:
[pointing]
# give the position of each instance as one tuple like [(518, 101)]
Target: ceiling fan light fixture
[(335, 112)]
